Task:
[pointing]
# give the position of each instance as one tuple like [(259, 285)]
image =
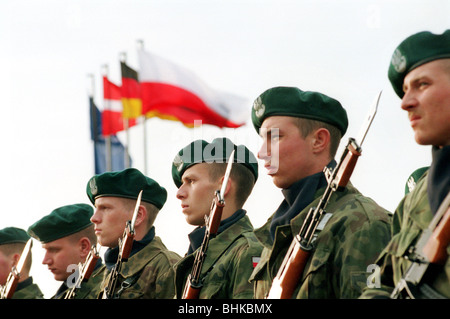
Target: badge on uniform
[(255, 261)]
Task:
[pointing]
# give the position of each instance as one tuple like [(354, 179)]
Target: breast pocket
[(400, 242), (315, 283)]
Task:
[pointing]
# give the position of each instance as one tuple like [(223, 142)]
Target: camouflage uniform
[(88, 289), (28, 290), (148, 273), (91, 288), (412, 216), (351, 240), (227, 266)]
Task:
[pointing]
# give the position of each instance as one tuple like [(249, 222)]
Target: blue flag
[(117, 148)]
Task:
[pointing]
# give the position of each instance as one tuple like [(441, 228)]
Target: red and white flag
[(172, 92), (112, 119)]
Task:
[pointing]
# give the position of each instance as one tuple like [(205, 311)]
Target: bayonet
[(227, 175), (368, 122), (136, 210)]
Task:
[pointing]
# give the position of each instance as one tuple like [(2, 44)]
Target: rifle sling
[(127, 283), (203, 273)]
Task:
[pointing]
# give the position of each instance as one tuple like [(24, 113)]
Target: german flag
[(131, 92)]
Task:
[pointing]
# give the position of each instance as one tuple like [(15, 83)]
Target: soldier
[(420, 75), (301, 133), (12, 243), (148, 273), (67, 235), (198, 171)]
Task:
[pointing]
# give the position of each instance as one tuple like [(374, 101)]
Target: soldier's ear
[(141, 215), (320, 140), (84, 246), (227, 189), (15, 259)]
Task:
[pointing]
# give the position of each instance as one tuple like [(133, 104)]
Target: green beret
[(126, 184), (417, 49), (291, 101), (12, 235), (218, 151), (62, 222), (414, 178)]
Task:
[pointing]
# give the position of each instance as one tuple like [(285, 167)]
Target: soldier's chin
[(280, 182), (103, 242), (58, 276)]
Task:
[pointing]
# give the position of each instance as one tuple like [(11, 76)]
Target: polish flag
[(170, 91)]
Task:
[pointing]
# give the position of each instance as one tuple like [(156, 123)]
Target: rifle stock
[(127, 242), (190, 291), (353, 152), (214, 218), (91, 261), (284, 284), (11, 284), (436, 247)]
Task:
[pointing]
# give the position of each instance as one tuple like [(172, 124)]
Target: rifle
[(85, 271), (125, 245), (431, 248), (303, 243), (193, 283), (7, 291)]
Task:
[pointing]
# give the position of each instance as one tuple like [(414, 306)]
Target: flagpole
[(107, 106), (93, 119), (126, 121), (140, 46)]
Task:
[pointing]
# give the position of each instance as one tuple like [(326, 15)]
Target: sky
[(339, 48)]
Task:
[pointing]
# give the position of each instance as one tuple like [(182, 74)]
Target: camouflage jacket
[(28, 290), (91, 288), (411, 217), (148, 274), (88, 289), (228, 264), (349, 243)]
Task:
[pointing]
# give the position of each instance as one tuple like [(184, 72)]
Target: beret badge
[(398, 61), (93, 186), (259, 107), (178, 162)]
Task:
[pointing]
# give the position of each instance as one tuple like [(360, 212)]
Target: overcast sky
[(340, 48)]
